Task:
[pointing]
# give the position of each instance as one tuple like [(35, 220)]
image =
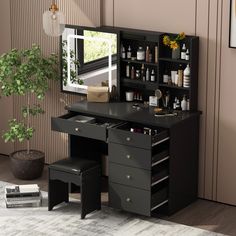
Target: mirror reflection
[(88, 65)]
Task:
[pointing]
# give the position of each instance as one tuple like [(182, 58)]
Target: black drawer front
[(130, 199), (130, 156), (129, 138), (62, 124), (130, 176), (139, 140)]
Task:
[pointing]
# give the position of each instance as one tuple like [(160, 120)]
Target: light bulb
[(54, 17), (53, 22)]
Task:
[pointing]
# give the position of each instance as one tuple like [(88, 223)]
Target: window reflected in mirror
[(89, 54)]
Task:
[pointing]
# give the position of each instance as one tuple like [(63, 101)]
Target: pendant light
[(53, 21)]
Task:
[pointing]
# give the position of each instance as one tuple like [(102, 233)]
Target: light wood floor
[(202, 214)]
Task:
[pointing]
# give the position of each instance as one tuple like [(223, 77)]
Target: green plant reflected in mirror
[(91, 56)]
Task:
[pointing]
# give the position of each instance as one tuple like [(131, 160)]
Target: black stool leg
[(90, 191), (57, 192)]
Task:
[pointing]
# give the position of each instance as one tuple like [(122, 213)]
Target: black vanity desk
[(147, 174)]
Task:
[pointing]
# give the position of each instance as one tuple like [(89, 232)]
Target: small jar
[(129, 96), (138, 74), (140, 54)]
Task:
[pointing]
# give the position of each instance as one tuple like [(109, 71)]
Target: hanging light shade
[(53, 21)]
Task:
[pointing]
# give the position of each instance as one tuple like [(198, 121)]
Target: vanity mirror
[(88, 58)]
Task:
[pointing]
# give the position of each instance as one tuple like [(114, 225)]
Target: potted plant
[(26, 73), (173, 42)]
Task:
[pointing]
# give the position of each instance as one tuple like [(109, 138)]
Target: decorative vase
[(176, 53)]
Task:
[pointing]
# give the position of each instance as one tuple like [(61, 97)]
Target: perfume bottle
[(129, 53), (123, 52), (128, 70), (143, 78), (132, 73), (153, 76), (183, 52), (147, 54), (147, 74)]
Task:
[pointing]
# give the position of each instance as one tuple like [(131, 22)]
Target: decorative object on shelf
[(129, 53), (180, 75), (232, 24), (174, 44), (53, 21), (184, 103), (153, 101), (123, 52), (186, 81), (98, 94), (129, 95), (26, 73), (173, 74), (140, 54), (183, 52), (175, 53), (166, 99)]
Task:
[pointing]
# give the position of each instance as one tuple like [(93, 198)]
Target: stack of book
[(23, 196)]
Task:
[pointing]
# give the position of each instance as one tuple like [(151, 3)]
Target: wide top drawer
[(84, 126), (137, 136)]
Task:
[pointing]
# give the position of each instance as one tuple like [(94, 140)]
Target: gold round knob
[(128, 156), (128, 139), (77, 129)]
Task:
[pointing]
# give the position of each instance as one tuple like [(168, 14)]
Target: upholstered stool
[(83, 173)]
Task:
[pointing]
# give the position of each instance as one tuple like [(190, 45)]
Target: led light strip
[(109, 43)]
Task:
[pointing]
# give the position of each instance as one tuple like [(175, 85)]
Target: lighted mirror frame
[(109, 44)]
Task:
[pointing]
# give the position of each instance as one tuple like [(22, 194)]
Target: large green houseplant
[(26, 73)]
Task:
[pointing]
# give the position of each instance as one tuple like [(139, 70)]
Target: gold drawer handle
[(128, 139), (128, 199), (77, 129), (128, 176), (128, 156)]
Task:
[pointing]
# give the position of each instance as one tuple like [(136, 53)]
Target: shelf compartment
[(173, 87), (139, 62), (139, 84), (160, 157), (180, 61), (122, 135)]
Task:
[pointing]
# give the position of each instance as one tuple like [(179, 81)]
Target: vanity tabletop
[(126, 112)]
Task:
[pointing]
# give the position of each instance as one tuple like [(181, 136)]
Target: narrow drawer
[(134, 177), (130, 156), (122, 135), (136, 200), (96, 129)]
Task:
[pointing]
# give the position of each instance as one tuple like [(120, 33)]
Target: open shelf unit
[(164, 64)]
